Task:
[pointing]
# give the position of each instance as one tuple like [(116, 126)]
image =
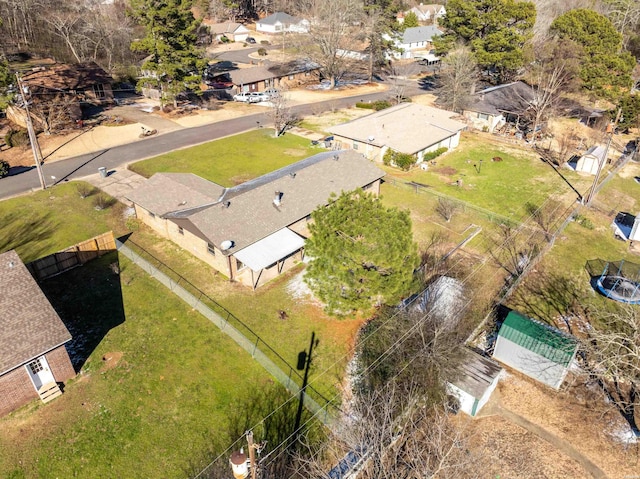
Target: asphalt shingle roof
[(406, 128), (420, 34), (29, 326)]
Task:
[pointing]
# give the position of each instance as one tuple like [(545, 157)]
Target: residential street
[(112, 158)]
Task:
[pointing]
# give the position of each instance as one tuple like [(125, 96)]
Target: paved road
[(84, 165)]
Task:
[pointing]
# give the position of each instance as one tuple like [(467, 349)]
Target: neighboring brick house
[(33, 358), (58, 92), (254, 231), (406, 128)]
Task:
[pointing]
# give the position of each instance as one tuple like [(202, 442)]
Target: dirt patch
[(111, 360), (446, 170), (579, 415), (297, 152), (236, 180)]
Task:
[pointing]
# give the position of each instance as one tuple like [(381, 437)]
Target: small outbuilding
[(33, 357), (540, 351), (475, 381), (591, 160)]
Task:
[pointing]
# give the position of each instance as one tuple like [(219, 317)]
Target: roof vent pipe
[(277, 199)]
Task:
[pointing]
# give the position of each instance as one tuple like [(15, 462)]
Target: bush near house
[(403, 161), (434, 154), (376, 105), (4, 168)]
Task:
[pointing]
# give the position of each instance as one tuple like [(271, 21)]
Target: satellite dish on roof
[(226, 244), (371, 138)]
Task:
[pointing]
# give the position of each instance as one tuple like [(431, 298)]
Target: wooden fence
[(71, 257)]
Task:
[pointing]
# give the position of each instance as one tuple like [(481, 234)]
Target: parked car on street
[(250, 40)]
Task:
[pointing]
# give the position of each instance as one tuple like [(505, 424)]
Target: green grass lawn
[(160, 409), (502, 187), (42, 223), (232, 160), (260, 311)]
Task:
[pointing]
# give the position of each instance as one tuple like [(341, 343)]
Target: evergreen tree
[(496, 31), (605, 69), (174, 61), (363, 253), (410, 20)]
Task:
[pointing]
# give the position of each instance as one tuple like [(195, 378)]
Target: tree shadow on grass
[(89, 301), (27, 232)]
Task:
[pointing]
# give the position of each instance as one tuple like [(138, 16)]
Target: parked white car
[(257, 97), (245, 97)]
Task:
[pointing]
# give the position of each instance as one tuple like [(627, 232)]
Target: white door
[(39, 372)]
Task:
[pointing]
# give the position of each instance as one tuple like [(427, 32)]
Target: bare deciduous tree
[(397, 437), (457, 79), (399, 74), (446, 208), (334, 27), (514, 249), (280, 113), (612, 354)]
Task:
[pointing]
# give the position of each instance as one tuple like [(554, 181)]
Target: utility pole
[(33, 139), (304, 361), (610, 129), (252, 455)]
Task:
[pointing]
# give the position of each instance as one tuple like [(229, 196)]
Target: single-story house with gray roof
[(406, 128), (282, 22), (235, 32), (251, 79), (254, 231), (33, 357), (492, 107), (413, 39)]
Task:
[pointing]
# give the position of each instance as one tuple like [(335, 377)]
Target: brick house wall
[(60, 364), (16, 387)]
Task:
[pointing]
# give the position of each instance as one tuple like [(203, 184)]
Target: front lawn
[(233, 160), (159, 406), (42, 223)]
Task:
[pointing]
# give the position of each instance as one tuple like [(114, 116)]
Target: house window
[(180, 230), (291, 77), (278, 28), (355, 145), (210, 249), (483, 116), (240, 265), (35, 366), (98, 91)]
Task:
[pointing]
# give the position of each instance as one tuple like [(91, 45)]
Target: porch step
[(49, 391)]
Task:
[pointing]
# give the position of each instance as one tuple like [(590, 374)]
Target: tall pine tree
[(363, 253), (174, 63)]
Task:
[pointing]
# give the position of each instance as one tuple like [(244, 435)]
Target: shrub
[(262, 52), (584, 222), (403, 161), (84, 189), (102, 201), (434, 154), (364, 105), (376, 105), (264, 42), (4, 168), (16, 138)]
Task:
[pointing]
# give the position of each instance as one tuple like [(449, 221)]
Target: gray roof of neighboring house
[(29, 326), (406, 128), (167, 192), (228, 27), (475, 373), (292, 67), (596, 151), (512, 97), (246, 76), (280, 17), (420, 34), (250, 214)]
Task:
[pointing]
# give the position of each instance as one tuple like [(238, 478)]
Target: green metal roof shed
[(535, 349)]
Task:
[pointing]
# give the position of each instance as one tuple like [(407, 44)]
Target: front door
[(39, 372)]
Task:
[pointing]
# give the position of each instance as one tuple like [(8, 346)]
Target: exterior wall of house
[(60, 364), (16, 387), (529, 363), (264, 28), (483, 121)]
